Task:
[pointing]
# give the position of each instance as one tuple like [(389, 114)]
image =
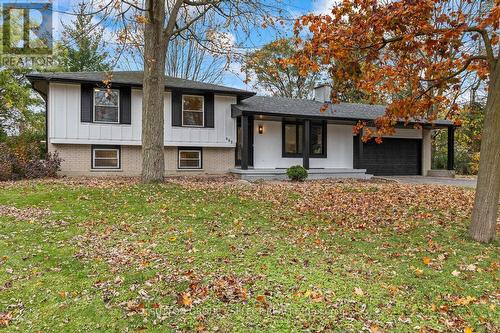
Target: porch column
[(306, 145), (244, 142), (358, 150), (451, 148)]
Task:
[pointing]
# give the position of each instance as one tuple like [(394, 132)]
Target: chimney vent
[(322, 93)]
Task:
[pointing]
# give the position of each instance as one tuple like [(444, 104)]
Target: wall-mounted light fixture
[(261, 129)]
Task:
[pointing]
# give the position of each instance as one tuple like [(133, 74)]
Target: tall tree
[(83, 46), (163, 22), (272, 73), (420, 51), (188, 60), (185, 58), (17, 102)]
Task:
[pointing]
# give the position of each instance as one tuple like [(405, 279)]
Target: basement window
[(105, 158), (189, 158)]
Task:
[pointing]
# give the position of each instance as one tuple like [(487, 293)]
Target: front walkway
[(462, 182)]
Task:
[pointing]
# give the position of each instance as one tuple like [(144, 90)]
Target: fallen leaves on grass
[(5, 318), (184, 299), (119, 252), (24, 214), (358, 291), (355, 204)]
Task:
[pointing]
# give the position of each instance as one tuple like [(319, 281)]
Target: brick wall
[(77, 161)]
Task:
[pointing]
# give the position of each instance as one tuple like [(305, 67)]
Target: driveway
[(463, 182)]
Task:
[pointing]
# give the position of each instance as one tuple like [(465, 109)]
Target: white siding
[(223, 133), (267, 147), (65, 125)]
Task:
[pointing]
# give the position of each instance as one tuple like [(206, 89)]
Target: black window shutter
[(209, 110), (176, 108), (125, 105), (87, 103)]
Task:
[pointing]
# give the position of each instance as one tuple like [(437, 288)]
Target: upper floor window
[(106, 105), (193, 111)]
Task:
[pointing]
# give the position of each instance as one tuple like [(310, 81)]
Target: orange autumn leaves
[(226, 289), (409, 54)]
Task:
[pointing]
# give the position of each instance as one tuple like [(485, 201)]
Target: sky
[(232, 75)]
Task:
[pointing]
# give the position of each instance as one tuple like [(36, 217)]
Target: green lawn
[(194, 255)]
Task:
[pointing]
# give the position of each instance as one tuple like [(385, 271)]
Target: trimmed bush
[(297, 173)]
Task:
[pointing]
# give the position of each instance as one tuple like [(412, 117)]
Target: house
[(213, 129)]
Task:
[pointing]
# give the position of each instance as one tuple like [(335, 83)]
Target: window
[(293, 139), (106, 105), (192, 111), (292, 143), (318, 138), (189, 158), (105, 158)]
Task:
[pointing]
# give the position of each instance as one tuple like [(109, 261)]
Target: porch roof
[(303, 108)]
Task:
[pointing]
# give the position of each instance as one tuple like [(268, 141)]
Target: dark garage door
[(393, 157)]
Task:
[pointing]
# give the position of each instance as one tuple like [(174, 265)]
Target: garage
[(393, 157)]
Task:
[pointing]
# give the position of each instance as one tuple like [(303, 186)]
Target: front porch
[(252, 174), (274, 134)]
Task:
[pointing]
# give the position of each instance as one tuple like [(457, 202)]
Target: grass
[(208, 256)]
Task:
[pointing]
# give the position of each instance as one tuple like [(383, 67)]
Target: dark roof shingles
[(304, 107), (135, 78)]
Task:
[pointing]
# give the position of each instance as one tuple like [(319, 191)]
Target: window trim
[(106, 148), (324, 127), (299, 155), (189, 149), (283, 151), (202, 110), (94, 104)]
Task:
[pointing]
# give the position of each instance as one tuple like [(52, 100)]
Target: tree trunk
[(153, 159), (484, 214)]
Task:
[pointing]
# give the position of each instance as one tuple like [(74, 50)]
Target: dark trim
[(125, 105), (235, 112), (311, 123), (176, 106), (86, 103), (251, 125), (209, 110), (244, 142), (240, 94), (451, 149), (284, 154), (92, 147), (307, 144), (200, 149), (323, 139), (357, 151)]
